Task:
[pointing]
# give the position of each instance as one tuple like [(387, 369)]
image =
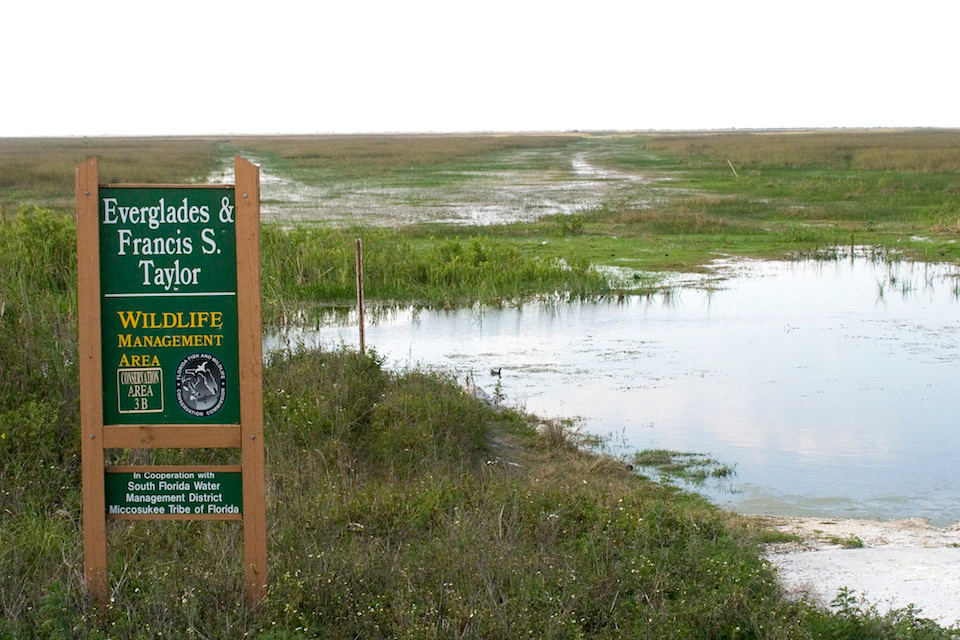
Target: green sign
[(186, 493), (168, 286)]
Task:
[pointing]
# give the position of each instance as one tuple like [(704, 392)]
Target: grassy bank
[(398, 507), (307, 267)]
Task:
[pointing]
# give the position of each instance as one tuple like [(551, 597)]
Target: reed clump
[(308, 267)]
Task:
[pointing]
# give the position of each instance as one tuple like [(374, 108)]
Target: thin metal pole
[(363, 348), (732, 169)]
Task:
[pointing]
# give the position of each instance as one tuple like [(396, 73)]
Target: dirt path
[(900, 563)]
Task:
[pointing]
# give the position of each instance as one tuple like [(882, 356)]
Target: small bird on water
[(496, 372)]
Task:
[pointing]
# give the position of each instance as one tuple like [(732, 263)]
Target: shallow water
[(830, 385), (526, 186)]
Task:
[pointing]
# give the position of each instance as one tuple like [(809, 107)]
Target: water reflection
[(829, 384)]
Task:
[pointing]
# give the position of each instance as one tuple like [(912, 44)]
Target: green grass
[(398, 507), (693, 468), (307, 267), (849, 542), (793, 192)]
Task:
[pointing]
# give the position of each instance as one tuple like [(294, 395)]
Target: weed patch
[(690, 467)]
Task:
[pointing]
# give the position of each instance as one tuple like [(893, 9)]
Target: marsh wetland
[(820, 372), (828, 384), (778, 303), (784, 302)]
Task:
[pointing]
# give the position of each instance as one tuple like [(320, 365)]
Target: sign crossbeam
[(204, 294)]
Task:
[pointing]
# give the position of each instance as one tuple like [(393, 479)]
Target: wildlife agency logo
[(201, 384)]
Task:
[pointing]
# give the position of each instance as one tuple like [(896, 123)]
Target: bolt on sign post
[(170, 357)]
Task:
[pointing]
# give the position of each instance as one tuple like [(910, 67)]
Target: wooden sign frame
[(247, 435)]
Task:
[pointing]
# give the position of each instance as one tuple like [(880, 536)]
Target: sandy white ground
[(901, 562)]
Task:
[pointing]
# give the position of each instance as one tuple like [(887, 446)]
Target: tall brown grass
[(908, 151), (374, 155), (41, 170)]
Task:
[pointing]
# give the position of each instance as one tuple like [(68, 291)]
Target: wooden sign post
[(171, 356)]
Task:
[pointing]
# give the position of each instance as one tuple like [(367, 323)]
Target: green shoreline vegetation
[(399, 506)]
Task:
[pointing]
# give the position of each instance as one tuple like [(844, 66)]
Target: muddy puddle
[(830, 385), (527, 185)]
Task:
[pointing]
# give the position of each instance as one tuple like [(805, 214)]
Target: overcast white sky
[(210, 67)]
